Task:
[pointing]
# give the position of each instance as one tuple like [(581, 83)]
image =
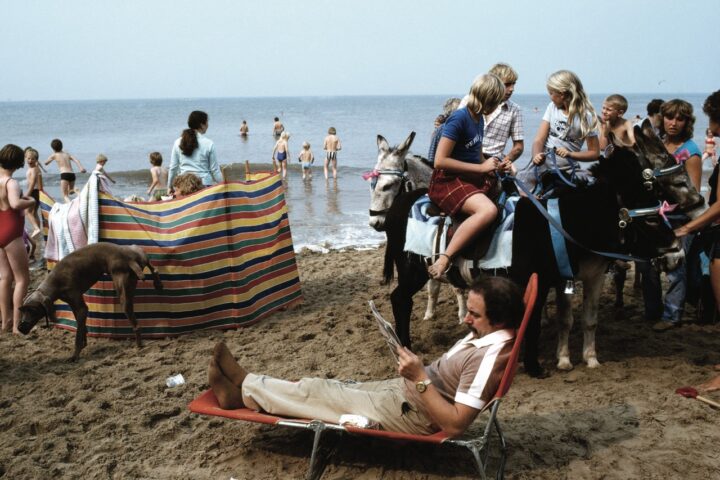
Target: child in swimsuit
[(278, 128), (67, 176), (13, 257), (34, 185), (281, 152), (100, 161), (331, 146), (710, 151), (158, 187), (306, 158)]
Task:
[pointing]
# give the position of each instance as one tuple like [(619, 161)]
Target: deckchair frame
[(478, 446)]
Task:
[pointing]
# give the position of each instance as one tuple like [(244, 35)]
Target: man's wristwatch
[(422, 385)]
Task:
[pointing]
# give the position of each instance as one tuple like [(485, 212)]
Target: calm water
[(322, 214)]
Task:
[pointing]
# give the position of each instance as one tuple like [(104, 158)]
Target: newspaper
[(388, 332)]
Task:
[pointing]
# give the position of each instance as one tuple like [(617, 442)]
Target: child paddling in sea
[(306, 158), (159, 174), (13, 257)]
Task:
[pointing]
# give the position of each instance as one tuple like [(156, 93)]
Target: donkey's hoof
[(592, 362), (564, 363), (535, 370)]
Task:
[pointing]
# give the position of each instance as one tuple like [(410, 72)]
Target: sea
[(324, 214)]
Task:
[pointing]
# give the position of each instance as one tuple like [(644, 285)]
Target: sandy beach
[(110, 415)]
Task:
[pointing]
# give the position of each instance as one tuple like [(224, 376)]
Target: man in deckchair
[(446, 395)]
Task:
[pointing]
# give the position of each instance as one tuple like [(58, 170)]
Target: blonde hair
[(306, 145), (486, 90), (578, 104), (285, 135), (33, 153), (504, 72), (617, 101), (101, 158)]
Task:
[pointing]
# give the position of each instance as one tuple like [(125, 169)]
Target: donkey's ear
[(405, 146), (646, 138), (382, 144)]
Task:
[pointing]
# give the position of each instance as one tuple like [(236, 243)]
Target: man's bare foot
[(228, 395), (227, 364), (712, 385), (441, 265)]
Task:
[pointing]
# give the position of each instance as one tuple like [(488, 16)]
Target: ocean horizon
[(323, 215)]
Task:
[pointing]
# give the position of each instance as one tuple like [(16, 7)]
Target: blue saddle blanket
[(423, 229)]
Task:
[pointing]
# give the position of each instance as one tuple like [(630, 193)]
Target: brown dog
[(76, 273)]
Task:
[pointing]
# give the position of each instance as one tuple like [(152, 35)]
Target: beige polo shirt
[(470, 372)]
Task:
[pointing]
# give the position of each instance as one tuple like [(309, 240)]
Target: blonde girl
[(13, 257), (281, 152), (569, 122), (462, 182)]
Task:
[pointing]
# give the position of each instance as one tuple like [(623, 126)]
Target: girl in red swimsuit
[(13, 257)]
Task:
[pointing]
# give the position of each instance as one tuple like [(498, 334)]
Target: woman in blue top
[(463, 181), (676, 131), (194, 153)]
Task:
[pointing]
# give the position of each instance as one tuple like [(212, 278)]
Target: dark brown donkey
[(76, 273)]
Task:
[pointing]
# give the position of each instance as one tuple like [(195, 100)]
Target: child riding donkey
[(463, 181)]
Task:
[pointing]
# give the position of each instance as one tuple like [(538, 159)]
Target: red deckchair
[(207, 404)]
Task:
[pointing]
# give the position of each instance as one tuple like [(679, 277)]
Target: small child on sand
[(158, 187), (306, 158), (100, 161), (331, 146), (612, 112), (34, 185), (710, 151), (67, 176)]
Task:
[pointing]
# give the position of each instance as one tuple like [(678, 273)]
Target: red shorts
[(449, 192)]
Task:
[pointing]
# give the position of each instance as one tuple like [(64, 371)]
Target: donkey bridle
[(404, 184)]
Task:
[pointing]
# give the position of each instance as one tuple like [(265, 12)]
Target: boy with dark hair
[(67, 176)]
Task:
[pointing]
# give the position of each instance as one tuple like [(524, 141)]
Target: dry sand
[(110, 415)]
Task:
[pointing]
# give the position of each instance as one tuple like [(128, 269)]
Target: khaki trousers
[(316, 398)]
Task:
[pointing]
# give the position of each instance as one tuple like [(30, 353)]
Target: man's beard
[(473, 330)]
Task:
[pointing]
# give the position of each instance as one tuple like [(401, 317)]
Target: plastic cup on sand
[(175, 380)]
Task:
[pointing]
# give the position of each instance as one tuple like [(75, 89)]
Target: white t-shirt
[(560, 136)]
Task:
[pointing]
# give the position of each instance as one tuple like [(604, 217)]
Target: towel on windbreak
[(75, 224), (423, 228)]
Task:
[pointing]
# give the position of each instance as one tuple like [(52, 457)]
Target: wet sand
[(110, 415)]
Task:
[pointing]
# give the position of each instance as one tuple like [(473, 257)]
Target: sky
[(112, 49)]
